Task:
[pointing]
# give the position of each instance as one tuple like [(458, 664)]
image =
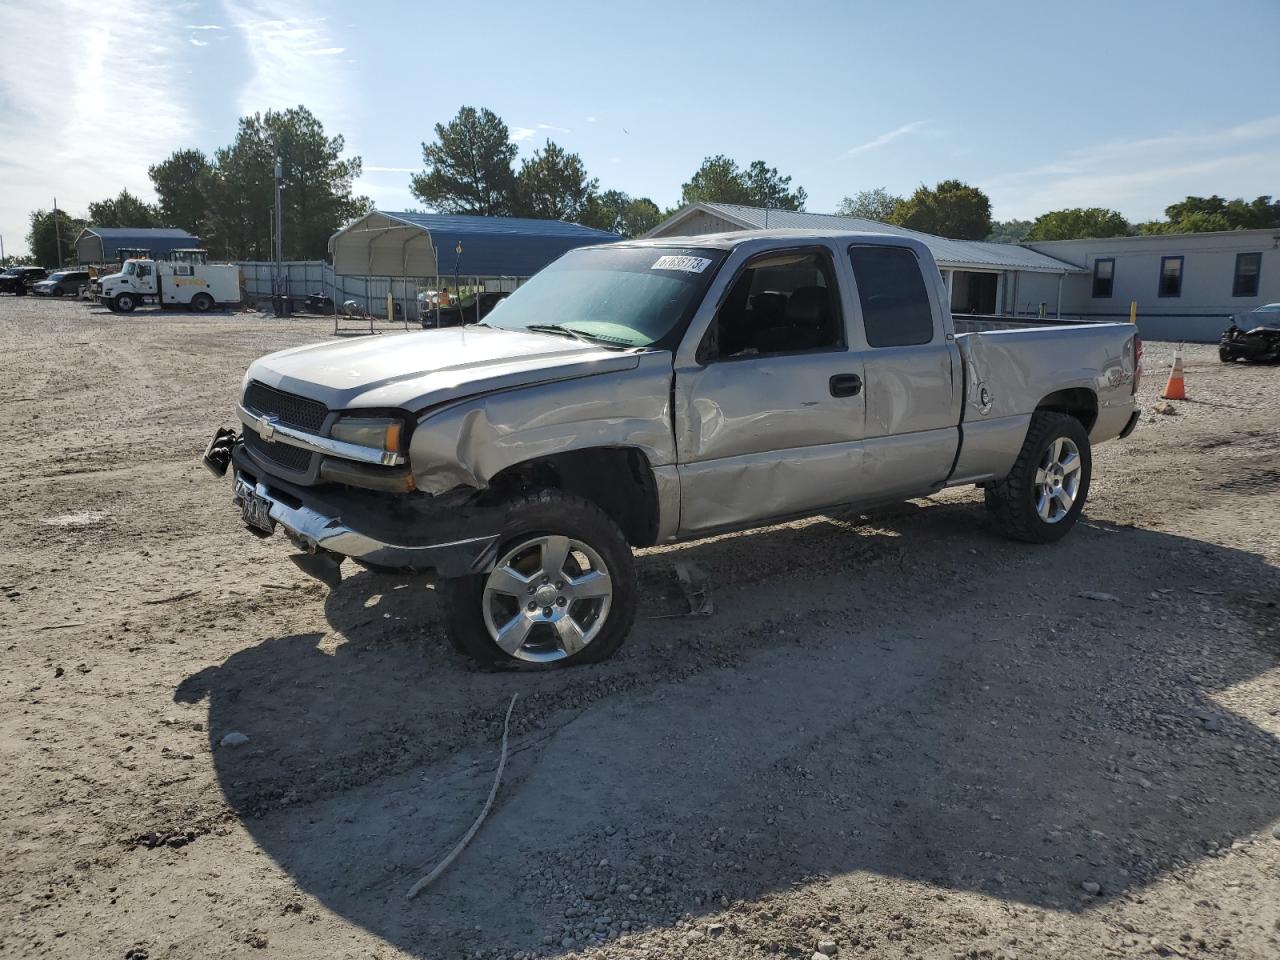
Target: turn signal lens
[(381, 434)]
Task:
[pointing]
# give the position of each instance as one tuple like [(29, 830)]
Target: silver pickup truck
[(649, 392)]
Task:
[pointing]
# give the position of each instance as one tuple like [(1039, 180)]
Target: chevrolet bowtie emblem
[(267, 427)]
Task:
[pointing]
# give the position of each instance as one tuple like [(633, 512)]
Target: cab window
[(782, 302), (891, 290)]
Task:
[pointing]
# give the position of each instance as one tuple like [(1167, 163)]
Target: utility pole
[(278, 285), (3, 261), (57, 231)]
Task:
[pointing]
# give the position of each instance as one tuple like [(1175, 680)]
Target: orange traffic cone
[(1176, 388)]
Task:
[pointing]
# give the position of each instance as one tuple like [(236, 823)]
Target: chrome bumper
[(314, 531)]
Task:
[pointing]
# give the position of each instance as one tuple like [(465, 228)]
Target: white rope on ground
[(493, 792)]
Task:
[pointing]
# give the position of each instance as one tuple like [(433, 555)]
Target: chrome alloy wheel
[(547, 598), (1057, 480)]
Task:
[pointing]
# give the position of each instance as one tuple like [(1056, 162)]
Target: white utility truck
[(186, 279)]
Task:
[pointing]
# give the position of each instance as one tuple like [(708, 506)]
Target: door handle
[(846, 385)]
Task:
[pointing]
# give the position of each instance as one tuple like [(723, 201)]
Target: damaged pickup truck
[(654, 391)]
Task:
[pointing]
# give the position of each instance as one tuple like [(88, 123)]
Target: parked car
[(63, 283), (655, 391), (460, 313), (1252, 336), (28, 275)]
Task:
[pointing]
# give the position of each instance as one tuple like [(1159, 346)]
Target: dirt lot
[(899, 733)]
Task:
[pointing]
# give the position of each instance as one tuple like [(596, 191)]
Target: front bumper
[(451, 540)]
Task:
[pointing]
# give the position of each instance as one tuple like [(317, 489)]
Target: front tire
[(125, 303), (1041, 498), (562, 592)]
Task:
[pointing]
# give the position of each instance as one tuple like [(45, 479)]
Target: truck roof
[(736, 238)]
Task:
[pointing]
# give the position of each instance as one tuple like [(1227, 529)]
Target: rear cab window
[(896, 311)]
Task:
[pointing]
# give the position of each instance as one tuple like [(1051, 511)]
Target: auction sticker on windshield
[(685, 264)]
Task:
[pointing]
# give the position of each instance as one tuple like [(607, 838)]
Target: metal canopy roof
[(100, 244), (390, 244), (949, 254)]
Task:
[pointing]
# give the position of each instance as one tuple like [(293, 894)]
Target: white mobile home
[(1186, 284)]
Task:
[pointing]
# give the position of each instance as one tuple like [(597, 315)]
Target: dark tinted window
[(1104, 271), (1248, 266), (1170, 276), (895, 302), (782, 302)]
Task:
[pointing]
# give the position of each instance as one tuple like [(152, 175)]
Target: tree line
[(226, 198)]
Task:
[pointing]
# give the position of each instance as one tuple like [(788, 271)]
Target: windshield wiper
[(557, 328)]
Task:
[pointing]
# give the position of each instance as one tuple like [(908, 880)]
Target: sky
[(1128, 105)]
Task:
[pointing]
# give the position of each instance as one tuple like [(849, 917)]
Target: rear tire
[(202, 303), (563, 590), (1041, 498)]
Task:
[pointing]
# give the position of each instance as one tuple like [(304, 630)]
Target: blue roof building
[(388, 244), (103, 244)]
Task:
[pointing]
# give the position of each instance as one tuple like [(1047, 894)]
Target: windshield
[(629, 296)]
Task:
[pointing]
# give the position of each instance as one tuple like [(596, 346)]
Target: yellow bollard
[(1133, 311)]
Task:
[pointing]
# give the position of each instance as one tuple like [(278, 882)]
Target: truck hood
[(414, 371)]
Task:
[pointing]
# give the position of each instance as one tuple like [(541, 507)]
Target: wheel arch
[(1078, 402), (618, 479)]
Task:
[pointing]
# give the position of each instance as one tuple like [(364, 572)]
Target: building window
[(1170, 276), (1104, 272), (1248, 266)]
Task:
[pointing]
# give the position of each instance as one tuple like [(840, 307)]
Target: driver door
[(770, 415)]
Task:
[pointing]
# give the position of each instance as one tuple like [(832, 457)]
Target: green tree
[(1009, 231), (316, 186), (619, 213), (469, 166), (184, 184), (554, 185), (721, 180), (768, 188), (1206, 214), (124, 210), (877, 204), (951, 209), (1079, 223), (47, 226)]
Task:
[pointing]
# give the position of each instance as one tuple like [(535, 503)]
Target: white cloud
[(370, 168), (549, 126), (291, 49), (884, 138), (76, 148), (591, 119), (521, 133), (197, 43), (203, 26), (1141, 177)]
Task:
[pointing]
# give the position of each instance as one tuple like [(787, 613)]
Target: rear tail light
[(1137, 362)]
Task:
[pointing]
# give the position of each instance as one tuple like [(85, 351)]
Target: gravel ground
[(898, 736)]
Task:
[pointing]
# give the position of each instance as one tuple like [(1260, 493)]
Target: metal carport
[(386, 244)]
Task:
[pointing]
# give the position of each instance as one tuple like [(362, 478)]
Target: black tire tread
[(464, 626), (1008, 499)]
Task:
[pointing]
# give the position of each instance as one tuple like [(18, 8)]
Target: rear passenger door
[(911, 372)]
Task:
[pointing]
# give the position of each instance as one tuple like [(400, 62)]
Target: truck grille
[(291, 458), (291, 409)]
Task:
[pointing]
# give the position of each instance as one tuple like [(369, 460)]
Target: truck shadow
[(905, 694)]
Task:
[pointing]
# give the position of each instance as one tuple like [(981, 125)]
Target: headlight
[(384, 433)]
